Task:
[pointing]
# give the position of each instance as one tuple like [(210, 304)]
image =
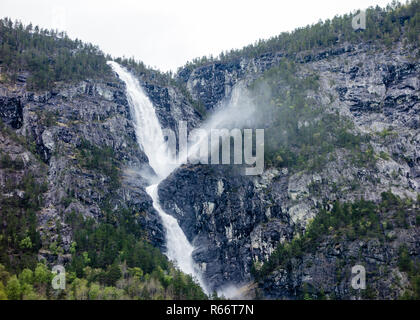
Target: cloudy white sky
[(166, 34)]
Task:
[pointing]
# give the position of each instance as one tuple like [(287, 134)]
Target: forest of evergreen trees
[(51, 56), (112, 259), (384, 25), (48, 55), (349, 222)]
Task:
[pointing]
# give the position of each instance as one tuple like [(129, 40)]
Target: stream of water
[(151, 140)]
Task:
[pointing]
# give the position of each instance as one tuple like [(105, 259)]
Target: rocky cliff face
[(233, 220), (57, 124), (230, 219), (172, 107), (326, 272), (55, 127), (213, 82)]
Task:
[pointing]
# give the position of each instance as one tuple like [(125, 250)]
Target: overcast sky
[(166, 34)]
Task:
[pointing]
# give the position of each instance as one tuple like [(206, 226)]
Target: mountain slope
[(340, 111)]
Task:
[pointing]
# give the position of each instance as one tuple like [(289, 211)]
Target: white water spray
[(151, 139)]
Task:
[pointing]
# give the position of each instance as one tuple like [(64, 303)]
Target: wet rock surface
[(223, 214)]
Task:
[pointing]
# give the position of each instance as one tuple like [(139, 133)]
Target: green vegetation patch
[(348, 222), (299, 133)]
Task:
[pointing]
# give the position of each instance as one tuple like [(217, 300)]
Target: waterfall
[(151, 140)]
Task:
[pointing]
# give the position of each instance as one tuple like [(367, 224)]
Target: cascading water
[(151, 139)]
